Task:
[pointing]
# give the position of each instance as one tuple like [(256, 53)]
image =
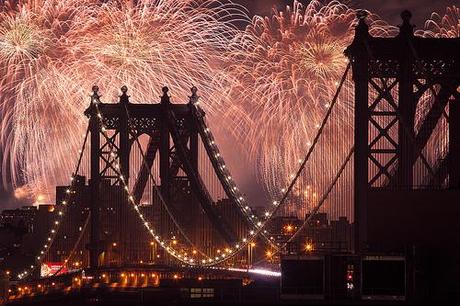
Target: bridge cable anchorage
[(61, 211)]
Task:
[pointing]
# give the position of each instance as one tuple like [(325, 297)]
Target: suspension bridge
[(151, 198)]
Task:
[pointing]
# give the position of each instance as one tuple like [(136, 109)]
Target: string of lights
[(158, 192), (253, 234), (286, 191), (229, 252), (183, 258), (223, 172), (60, 215)]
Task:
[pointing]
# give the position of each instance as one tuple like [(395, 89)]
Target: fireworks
[(272, 83), (32, 40), (286, 69), (438, 26), (53, 51), (446, 26)]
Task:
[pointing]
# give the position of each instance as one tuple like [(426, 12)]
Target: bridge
[(151, 198)]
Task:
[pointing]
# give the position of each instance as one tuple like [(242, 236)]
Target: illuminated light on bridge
[(185, 163), (309, 247)]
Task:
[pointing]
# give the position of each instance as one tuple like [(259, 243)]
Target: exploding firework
[(438, 26), (445, 26), (52, 52), (280, 73), (286, 69), (33, 43)]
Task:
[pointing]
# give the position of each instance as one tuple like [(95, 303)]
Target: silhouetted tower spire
[(406, 29), (124, 134), (194, 131), (362, 29), (124, 98), (194, 97), (95, 96), (165, 175)]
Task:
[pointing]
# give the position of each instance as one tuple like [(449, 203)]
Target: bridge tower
[(407, 119), (172, 133), (407, 140)]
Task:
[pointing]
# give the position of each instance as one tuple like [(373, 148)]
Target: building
[(19, 218)]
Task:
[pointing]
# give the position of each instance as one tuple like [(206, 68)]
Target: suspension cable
[(323, 197), (223, 173), (72, 252), (56, 225), (158, 191)]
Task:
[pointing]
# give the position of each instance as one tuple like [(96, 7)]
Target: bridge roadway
[(147, 284)]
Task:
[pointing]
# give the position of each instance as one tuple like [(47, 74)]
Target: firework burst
[(438, 26), (443, 26), (286, 69), (52, 52)]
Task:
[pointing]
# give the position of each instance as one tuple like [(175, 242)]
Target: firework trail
[(443, 26), (32, 52), (278, 77), (446, 25), (286, 69), (53, 51)]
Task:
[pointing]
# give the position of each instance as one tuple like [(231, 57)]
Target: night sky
[(389, 10)]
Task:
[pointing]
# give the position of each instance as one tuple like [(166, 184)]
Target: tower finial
[(362, 27), (194, 96), (406, 28), (124, 98), (95, 96), (165, 98)]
